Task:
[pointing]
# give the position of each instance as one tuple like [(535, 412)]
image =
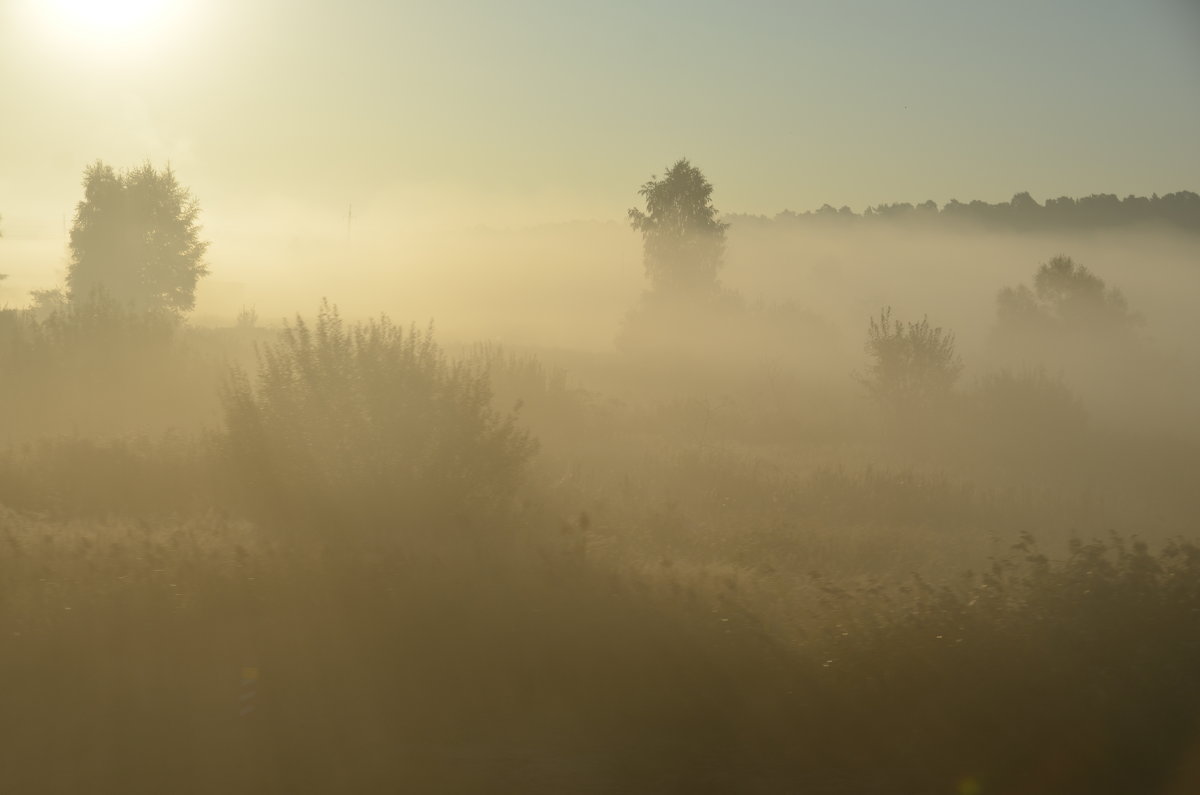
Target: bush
[(913, 365), (1025, 418), (368, 423), (550, 406)]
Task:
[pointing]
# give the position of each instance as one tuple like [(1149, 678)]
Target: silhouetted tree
[(1024, 212), (1180, 209), (1066, 296), (683, 242), (136, 239)]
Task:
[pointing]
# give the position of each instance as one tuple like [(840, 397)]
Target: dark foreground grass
[(407, 611), (205, 655)]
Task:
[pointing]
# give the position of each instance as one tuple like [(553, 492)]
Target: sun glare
[(118, 26), (108, 15)]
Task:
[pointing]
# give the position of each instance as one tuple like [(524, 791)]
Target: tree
[(48, 302), (136, 239), (683, 242), (913, 365), (1065, 296)]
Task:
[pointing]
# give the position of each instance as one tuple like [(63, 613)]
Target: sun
[(114, 25), (109, 16)]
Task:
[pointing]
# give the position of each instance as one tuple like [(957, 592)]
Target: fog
[(568, 286), (375, 417), (570, 282), (614, 397), (314, 499)]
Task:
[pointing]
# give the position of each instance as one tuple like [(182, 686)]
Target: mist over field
[(593, 400), (568, 285)]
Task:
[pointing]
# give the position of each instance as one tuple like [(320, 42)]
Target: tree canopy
[(136, 239), (683, 242), (1179, 210), (1065, 296)]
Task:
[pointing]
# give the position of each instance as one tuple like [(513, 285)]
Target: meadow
[(730, 552)]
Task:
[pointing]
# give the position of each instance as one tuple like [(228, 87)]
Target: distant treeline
[(1101, 210)]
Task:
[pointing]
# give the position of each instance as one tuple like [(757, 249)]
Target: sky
[(529, 111)]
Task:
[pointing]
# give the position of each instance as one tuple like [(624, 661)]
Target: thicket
[(368, 424)]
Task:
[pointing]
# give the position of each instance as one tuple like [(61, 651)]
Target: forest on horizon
[(1021, 214)]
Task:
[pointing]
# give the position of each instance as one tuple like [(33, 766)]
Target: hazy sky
[(528, 111)]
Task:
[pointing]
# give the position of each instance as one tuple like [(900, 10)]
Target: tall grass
[(127, 644), (363, 579)]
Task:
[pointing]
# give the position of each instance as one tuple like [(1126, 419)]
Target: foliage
[(682, 239), (1071, 675), (1025, 418), (373, 673), (548, 404), (46, 303), (912, 365), (370, 422), (1098, 211), (1066, 297), (136, 238)]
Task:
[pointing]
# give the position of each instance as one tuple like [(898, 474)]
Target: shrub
[(368, 423), (1026, 418), (550, 405), (913, 365)]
